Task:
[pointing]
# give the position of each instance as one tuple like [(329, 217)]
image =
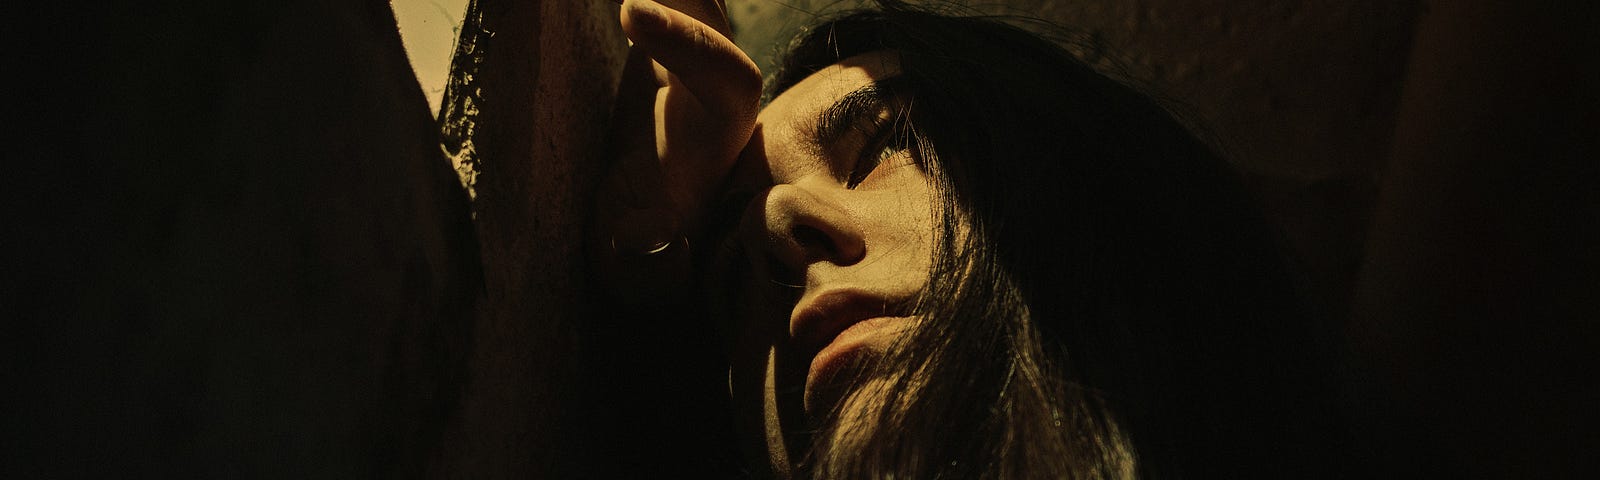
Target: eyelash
[(885, 143)]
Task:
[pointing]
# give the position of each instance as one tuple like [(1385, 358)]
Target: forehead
[(802, 102)]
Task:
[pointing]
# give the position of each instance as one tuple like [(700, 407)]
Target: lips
[(835, 325)]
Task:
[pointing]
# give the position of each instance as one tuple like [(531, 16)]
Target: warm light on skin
[(881, 233)]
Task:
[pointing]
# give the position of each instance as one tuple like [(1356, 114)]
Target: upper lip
[(817, 320)]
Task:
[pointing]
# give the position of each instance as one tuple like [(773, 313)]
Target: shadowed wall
[(234, 249), (523, 118)]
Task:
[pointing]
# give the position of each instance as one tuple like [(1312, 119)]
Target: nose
[(803, 227)]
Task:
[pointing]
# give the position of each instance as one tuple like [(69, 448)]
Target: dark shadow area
[(235, 247)]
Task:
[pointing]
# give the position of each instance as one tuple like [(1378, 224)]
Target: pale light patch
[(429, 29)]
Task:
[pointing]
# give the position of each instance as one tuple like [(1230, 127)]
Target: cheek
[(901, 230)]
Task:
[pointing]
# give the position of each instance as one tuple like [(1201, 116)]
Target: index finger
[(724, 80), (711, 12)]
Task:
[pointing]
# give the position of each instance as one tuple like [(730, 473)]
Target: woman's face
[(827, 257)]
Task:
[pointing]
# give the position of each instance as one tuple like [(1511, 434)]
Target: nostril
[(814, 241), (805, 226)]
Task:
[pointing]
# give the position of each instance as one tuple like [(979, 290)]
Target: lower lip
[(850, 343)]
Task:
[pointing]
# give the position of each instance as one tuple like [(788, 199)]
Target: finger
[(632, 138), (724, 80), (636, 93), (711, 12)]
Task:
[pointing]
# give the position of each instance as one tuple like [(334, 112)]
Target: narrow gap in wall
[(429, 29)]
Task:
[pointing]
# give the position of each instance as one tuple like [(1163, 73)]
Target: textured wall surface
[(525, 133)]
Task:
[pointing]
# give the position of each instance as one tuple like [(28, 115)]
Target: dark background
[(234, 248)]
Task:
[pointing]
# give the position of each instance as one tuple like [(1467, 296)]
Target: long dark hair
[(1107, 300)]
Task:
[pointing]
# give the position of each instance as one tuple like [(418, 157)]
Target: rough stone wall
[(525, 133)]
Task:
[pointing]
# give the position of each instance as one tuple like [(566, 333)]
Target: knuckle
[(747, 78), (700, 40)]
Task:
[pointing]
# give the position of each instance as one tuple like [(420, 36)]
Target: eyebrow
[(836, 121)]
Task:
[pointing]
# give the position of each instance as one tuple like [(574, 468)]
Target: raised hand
[(685, 108)]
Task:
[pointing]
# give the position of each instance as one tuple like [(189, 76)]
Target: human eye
[(886, 142), (870, 162)]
